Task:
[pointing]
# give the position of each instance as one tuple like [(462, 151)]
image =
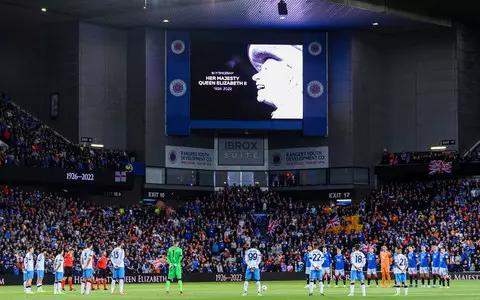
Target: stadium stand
[(32, 143), (217, 229), (403, 158)]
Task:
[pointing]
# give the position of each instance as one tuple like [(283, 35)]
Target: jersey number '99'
[(252, 256), (358, 259)]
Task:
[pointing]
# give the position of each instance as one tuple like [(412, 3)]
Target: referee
[(102, 270), (69, 256)]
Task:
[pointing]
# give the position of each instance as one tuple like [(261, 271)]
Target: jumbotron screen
[(246, 81), (241, 80)]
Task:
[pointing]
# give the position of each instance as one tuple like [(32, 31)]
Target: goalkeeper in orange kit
[(386, 261)]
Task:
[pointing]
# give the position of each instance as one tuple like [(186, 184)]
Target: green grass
[(276, 290)]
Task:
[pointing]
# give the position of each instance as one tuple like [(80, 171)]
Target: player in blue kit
[(435, 265), (252, 259), (443, 270), (307, 267), (316, 258), (412, 266), (327, 265), (401, 266), (424, 258), (340, 268), (358, 261), (372, 267)]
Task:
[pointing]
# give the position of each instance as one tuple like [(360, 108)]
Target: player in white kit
[(358, 261), (316, 258), (401, 267), (87, 274), (58, 271), (118, 260), (40, 267), (28, 267), (253, 258)]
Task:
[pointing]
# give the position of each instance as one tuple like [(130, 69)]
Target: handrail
[(470, 150), (36, 119)]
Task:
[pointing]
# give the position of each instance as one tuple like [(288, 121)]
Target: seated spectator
[(31, 143)]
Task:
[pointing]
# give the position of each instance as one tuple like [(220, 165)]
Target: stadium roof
[(237, 13)]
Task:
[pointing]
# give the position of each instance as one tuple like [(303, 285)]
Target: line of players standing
[(63, 268), (319, 267)]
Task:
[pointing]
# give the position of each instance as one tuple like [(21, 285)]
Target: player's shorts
[(412, 271), (307, 270), (68, 272), (29, 275), (424, 270), (371, 271), (102, 273), (356, 275), (255, 274), (443, 271), (40, 273), (118, 273), (400, 277), (88, 273), (58, 276), (435, 270), (175, 272), (326, 271), (339, 272), (316, 274)]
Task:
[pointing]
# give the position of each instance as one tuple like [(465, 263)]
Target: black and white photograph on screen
[(245, 81), (279, 78)]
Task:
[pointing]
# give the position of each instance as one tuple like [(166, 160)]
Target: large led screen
[(246, 81), (242, 80)]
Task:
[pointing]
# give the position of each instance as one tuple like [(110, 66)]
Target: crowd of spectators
[(404, 158), (216, 230), (29, 142)]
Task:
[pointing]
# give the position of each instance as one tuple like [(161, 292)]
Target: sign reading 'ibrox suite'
[(240, 152)]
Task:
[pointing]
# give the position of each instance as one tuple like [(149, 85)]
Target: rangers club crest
[(172, 156), (277, 159), (178, 87), (314, 48), (178, 47), (315, 89)]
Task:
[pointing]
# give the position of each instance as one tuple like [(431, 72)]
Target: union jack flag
[(335, 221), (271, 227), (159, 263), (440, 167)]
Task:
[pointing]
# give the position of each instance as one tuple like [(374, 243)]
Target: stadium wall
[(38, 61), (10, 279), (468, 63), (420, 99), (102, 84)]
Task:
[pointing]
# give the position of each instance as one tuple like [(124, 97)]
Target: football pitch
[(281, 290)]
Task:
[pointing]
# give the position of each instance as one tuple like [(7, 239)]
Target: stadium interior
[(194, 146)]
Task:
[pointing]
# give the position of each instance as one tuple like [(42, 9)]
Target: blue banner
[(177, 83), (315, 81)]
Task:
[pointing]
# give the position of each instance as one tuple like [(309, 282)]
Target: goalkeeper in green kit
[(174, 259)]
